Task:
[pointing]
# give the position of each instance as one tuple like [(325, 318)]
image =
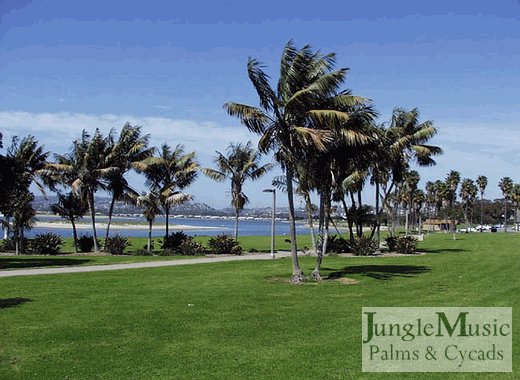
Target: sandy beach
[(118, 226)]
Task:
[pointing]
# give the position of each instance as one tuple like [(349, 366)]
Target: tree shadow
[(16, 263), (379, 272), (436, 251), (10, 302)]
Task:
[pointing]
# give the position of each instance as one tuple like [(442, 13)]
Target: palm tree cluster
[(96, 162), (327, 139)]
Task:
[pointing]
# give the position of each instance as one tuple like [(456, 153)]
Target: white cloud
[(61, 100)]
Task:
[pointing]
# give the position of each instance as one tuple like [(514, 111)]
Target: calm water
[(219, 226)]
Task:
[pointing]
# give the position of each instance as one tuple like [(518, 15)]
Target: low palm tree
[(72, 208), (482, 183), (151, 204), (241, 163), (169, 174)]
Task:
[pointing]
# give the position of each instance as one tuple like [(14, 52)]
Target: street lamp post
[(272, 218)]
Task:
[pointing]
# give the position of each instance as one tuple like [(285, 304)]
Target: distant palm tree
[(127, 153), (412, 178), (241, 163), (72, 208), (452, 182), (85, 169), (170, 173), (506, 185), (468, 192), (482, 183), (151, 204)]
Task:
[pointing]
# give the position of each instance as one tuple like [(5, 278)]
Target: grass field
[(233, 321)]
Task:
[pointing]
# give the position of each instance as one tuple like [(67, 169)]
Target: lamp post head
[(269, 190)]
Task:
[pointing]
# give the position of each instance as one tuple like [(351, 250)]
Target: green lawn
[(226, 321)]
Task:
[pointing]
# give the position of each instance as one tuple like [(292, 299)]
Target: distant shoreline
[(118, 226)]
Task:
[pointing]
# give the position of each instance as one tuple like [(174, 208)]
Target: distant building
[(438, 224)]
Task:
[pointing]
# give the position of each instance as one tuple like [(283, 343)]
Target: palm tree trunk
[(349, 219), (505, 214), (297, 276), (167, 214), (481, 211), (93, 219), (110, 211), (316, 274), (359, 218), (308, 206), (150, 222), (236, 224), (453, 226), (75, 235)]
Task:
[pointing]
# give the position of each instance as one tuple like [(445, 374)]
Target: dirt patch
[(344, 281)]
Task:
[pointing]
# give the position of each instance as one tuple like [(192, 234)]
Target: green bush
[(143, 252), (189, 247), (173, 241), (224, 245), (46, 244), (9, 245), (338, 244), (391, 243), (406, 244), (401, 244), (116, 245), (364, 245), (86, 243)]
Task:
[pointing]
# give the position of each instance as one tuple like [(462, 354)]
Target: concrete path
[(148, 264)]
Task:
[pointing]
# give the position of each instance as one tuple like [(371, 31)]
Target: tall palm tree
[(127, 153), (468, 192), (85, 169), (168, 174), (482, 183), (288, 115), (241, 163), (412, 178), (430, 200), (452, 182), (72, 208), (515, 200), (506, 186)]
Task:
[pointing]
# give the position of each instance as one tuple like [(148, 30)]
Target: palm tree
[(85, 169), (515, 198), (506, 185), (468, 192), (411, 180), (430, 200), (72, 208), (482, 183), (289, 114), (151, 203), (24, 218), (169, 174), (241, 163), (127, 153), (452, 182)]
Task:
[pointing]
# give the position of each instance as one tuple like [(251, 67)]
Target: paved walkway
[(147, 264)]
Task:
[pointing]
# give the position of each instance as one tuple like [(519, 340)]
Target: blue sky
[(66, 66)]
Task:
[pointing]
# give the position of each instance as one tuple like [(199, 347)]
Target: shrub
[(173, 241), (191, 248), (86, 243), (406, 244), (401, 244), (142, 252), (116, 245), (364, 245), (224, 245), (391, 243), (46, 244), (9, 245), (338, 244)]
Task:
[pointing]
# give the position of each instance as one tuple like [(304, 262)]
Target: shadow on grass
[(425, 250), (379, 272), (15, 262), (10, 302)]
